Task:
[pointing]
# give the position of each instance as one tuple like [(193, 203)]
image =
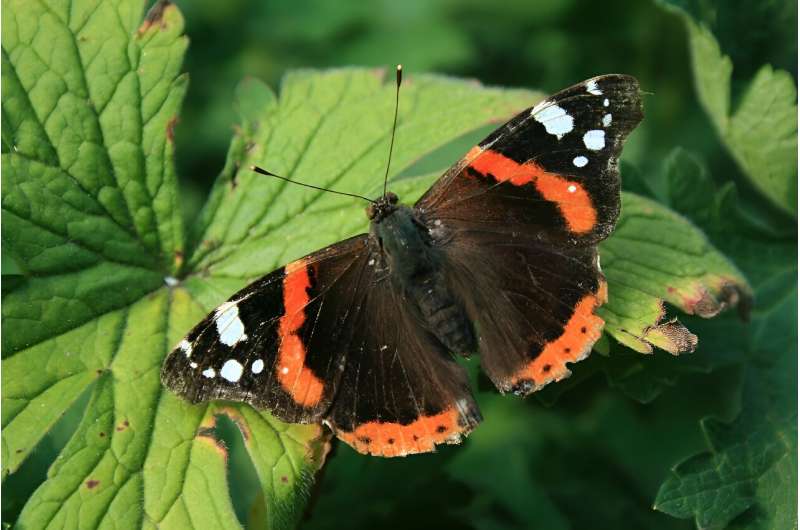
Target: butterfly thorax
[(415, 268)]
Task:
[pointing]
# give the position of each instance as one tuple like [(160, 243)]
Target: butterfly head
[(382, 207)]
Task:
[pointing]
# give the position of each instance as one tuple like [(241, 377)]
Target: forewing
[(551, 170), (280, 343)]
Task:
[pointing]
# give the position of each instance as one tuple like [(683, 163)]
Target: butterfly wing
[(280, 343), (402, 391), (551, 170), (518, 220), (328, 338), (533, 306)]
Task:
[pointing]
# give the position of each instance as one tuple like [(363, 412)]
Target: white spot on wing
[(209, 373), (229, 326), (186, 347), (193, 365), (606, 103), (580, 161), (591, 87), (606, 120), (594, 139), (284, 370), (556, 121), (232, 370), (257, 367), (572, 188)]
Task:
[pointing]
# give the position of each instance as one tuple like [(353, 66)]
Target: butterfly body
[(498, 258), (407, 250)]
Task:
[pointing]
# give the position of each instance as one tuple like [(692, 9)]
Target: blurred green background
[(586, 454), (543, 44)]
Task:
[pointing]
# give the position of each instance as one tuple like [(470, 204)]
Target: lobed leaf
[(91, 215), (655, 255), (761, 131), (749, 474)]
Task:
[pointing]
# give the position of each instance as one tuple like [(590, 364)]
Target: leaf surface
[(760, 130)]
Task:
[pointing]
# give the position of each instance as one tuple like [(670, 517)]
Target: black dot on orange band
[(546, 368), (583, 329), (567, 350), (441, 428), (390, 441)]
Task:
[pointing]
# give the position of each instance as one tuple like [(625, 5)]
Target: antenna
[(261, 171), (394, 125)]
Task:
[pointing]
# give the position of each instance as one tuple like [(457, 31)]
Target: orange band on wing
[(395, 439), (298, 380), (572, 199), (581, 332)]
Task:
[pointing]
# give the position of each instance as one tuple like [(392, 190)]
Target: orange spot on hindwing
[(395, 439), (297, 379), (580, 333), (571, 197)]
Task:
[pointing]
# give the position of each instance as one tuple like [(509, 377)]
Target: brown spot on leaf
[(209, 438), (679, 338), (91, 483), (20, 451), (102, 434), (284, 479), (122, 426), (171, 128), (670, 335), (155, 16)]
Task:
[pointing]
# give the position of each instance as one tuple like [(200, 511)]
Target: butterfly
[(498, 258)]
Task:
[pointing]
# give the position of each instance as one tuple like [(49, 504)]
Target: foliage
[(102, 274)]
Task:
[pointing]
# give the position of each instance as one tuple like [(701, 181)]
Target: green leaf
[(655, 255), (91, 216), (329, 129), (761, 131), (749, 474), (747, 477)]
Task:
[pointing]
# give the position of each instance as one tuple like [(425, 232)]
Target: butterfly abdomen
[(415, 267), (444, 315)]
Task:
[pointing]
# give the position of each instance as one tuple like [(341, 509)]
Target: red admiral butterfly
[(498, 258)]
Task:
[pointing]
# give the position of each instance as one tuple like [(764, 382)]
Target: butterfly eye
[(392, 198), (371, 211)]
